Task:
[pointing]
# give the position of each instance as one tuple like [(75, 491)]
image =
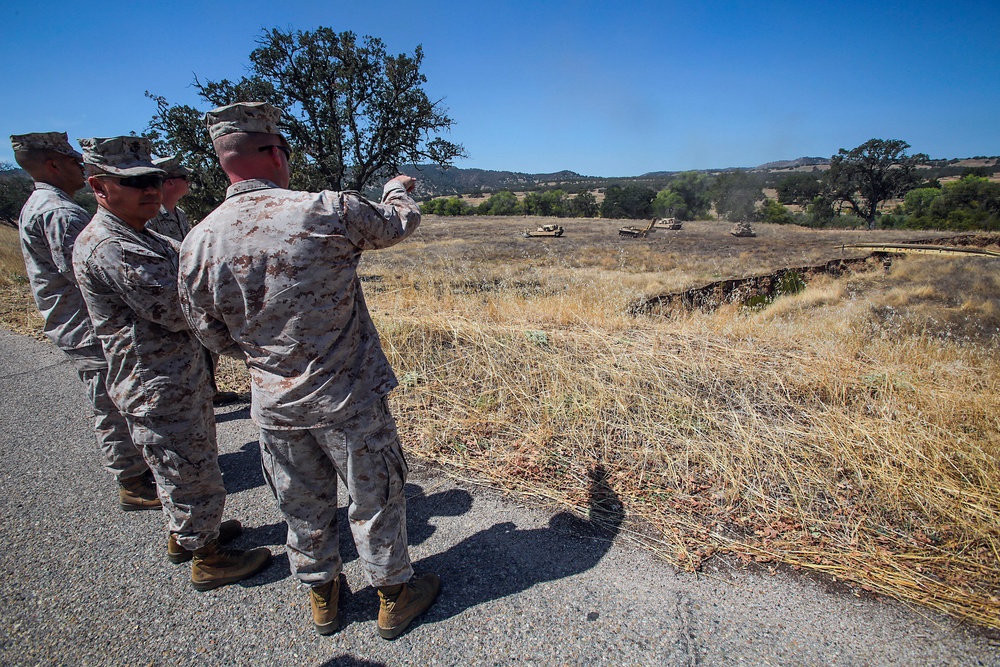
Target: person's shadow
[(241, 471), (420, 509), (503, 560), (351, 661)]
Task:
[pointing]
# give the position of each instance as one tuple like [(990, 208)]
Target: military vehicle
[(635, 232), (667, 223), (743, 229), (545, 230)]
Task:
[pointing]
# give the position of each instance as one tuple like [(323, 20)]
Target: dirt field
[(703, 251)]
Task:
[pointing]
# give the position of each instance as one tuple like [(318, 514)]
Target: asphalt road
[(86, 584)]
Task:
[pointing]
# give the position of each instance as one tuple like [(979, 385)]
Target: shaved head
[(249, 155), (48, 166), (245, 144), (32, 160)]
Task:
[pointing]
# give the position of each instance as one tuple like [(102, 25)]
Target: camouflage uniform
[(49, 224), (271, 276), (175, 225), (158, 372)]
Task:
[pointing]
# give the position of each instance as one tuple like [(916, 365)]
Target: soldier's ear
[(100, 192), (52, 167)]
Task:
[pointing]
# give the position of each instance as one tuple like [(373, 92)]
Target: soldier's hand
[(408, 182)]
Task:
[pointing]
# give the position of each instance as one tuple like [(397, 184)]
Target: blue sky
[(600, 88)]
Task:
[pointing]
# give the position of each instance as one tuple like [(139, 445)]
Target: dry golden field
[(851, 429)]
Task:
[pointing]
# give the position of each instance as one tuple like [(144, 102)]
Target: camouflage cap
[(47, 141), (172, 165), (120, 156), (243, 117)]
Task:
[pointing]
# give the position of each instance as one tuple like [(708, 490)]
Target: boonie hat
[(258, 117), (172, 165), (120, 156), (49, 141)]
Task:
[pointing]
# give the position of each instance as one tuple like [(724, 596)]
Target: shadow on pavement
[(349, 661), (503, 560), (420, 509), (241, 471), (232, 415)]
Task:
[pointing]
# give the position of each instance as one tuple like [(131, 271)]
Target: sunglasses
[(138, 182), (284, 149)]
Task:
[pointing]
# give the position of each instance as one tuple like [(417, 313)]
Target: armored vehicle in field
[(743, 229), (632, 232), (545, 230), (667, 223)]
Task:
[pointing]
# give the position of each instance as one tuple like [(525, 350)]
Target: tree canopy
[(874, 172), (687, 197), (629, 201), (15, 188), (736, 194), (352, 113)]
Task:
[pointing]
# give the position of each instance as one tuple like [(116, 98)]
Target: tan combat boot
[(400, 604), (324, 600), (228, 531), (138, 493), (213, 566)]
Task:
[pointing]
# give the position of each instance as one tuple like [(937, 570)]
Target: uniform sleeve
[(213, 333), (371, 226), (145, 280), (182, 219), (61, 227), (200, 313)]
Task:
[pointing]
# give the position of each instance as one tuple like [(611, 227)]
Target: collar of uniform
[(45, 186), (116, 222), (249, 185)]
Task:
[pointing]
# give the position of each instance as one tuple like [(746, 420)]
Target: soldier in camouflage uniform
[(271, 276), (49, 224), (158, 372), (172, 221)]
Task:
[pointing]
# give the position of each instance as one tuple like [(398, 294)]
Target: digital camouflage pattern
[(129, 281), (121, 156), (158, 373), (175, 225), (172, 166), (48, 226), (183, 454), (44, 141), (258, 117), (271, 276), (303, 466), (276, 271), (121, 456)]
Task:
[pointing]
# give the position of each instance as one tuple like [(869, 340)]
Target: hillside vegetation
[(849, 429)]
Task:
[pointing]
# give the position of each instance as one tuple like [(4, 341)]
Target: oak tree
[(352, 112), (876, 171)]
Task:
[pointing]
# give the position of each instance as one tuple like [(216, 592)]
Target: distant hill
[(792, 164), (434, 181)]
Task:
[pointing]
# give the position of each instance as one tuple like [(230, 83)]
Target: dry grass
[(849, 430), (17, 309)]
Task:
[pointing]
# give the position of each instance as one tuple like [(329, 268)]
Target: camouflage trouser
[(303, 466), (182, 453), (121, 457)]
